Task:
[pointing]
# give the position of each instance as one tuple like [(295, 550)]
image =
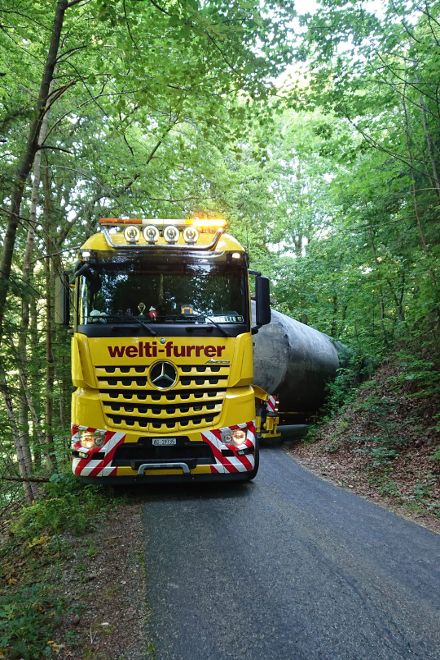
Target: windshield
[(185, 292)]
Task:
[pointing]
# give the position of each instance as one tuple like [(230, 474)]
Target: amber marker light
[(208, 224), (120, 221)]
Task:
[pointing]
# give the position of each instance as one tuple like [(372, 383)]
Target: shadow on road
[(196, 490), (289, 433), (189, 491)]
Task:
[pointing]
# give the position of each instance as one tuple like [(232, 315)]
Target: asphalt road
[(288, 567)]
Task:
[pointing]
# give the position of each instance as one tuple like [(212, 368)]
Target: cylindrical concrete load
[(294, 361)]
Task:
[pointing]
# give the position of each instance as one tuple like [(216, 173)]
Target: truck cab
[(162, 354)]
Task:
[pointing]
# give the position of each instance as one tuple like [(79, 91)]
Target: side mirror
[(262, 296), (62, 307)]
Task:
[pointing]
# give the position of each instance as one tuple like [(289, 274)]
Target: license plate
[(164, 442)]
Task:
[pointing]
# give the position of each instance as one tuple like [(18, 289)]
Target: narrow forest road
[(288, 567)]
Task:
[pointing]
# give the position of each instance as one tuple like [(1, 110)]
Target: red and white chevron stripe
[(271, 404), (235, 463), (86, 467)]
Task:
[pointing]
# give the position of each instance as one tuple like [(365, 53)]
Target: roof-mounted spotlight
[(190, 235), (151, 234), (132, 234), (171, 234)]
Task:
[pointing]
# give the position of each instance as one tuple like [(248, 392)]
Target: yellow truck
[(162, 354)]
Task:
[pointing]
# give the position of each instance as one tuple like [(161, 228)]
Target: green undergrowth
[(386, 427), (31, 560)]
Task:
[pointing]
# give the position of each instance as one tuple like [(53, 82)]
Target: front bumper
[(208, 459)]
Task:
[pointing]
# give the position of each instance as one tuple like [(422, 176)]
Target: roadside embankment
[(384, 443)]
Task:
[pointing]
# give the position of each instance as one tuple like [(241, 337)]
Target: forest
[(315, 133)]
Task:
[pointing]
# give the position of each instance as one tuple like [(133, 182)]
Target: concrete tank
[(294, 361)]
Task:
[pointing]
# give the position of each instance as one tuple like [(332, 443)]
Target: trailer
[(295, 362)]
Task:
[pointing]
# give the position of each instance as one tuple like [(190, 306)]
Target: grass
[(28, 616), (31, 559)]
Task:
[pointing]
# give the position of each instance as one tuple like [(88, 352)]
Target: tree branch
[(72, 3), (48, 146), (164, 11), (55, 254), (36, 480), (128, 26)]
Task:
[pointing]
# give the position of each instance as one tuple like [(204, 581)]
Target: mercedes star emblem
[(163, 375)]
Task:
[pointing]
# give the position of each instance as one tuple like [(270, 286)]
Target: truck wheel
[(253, 473)]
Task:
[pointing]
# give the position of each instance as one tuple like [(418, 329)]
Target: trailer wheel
[(253, 473)]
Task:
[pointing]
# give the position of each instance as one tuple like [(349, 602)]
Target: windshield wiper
[(219, 327), (135, 318)]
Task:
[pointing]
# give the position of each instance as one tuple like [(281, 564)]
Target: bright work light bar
[(160, 232)]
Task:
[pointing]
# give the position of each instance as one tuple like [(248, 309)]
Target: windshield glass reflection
[(113, 293)]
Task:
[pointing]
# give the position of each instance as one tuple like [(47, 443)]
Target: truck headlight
[(239, 437), (236, 437), (89, 440)]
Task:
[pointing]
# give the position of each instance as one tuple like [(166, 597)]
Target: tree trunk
[(49, 312), (23, 453), (379, 280), (398, 296), (34, 380), (430, 145), (61, 352), (334, 325), (411, 162), (25, 395), (46, 448), (27, 158), (432, 272)]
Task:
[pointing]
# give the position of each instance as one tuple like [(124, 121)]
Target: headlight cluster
[(234, 437), (151, 234), (90, 440)]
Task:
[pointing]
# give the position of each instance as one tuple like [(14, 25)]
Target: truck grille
[(130, 401)]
